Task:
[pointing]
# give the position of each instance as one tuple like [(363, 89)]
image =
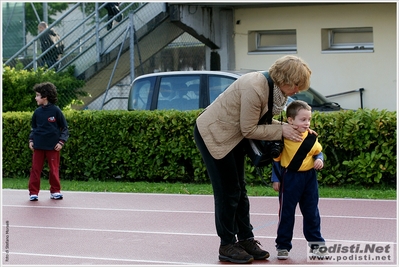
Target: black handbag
[(262, 152)]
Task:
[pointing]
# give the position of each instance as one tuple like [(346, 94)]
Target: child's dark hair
[(295, 106), (48, 90)]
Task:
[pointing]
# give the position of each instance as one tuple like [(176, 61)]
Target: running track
[(165, 229)]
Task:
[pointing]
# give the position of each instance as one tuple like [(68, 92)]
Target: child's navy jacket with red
[(49, 127)]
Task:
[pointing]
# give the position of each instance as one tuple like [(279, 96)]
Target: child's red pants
[(53, 160)]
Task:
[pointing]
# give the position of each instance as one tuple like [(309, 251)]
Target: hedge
[(18, 94), (359, 147)]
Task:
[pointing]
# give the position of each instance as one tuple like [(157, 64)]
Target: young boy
[(294, 177), (47, 137)]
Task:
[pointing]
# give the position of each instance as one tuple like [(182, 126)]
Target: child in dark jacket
[(47, 137)]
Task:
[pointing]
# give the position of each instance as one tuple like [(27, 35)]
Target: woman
[(219, 132)]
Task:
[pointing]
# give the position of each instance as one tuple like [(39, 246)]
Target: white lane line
[(334, 216), (191, 212), (109, 230), (107, 209), (103, 259), (206, 196), (171, 233)]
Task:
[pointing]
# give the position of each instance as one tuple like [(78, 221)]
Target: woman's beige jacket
[(235, 114)]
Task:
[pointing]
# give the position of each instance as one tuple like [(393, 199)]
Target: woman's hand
[(290, 132)]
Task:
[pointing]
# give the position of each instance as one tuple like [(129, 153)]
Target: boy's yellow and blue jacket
[(288, 153)]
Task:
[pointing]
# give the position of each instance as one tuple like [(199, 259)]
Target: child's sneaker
[(56, 196), (33, 198), (282, 254)]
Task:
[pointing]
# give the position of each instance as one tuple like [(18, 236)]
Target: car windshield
[(313, 98), (310, 96)]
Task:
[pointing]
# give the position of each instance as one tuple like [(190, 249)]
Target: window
[(347, 39), (273, 41), (140, 94), (217, 85), (179, 92)]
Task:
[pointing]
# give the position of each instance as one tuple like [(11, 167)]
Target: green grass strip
[(349, 191)]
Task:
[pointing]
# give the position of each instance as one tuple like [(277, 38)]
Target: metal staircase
[(102, 58)]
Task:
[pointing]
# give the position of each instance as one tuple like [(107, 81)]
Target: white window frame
[(353, 40), (276, 45)]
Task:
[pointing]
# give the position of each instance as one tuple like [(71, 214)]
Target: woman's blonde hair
[(291, 70)]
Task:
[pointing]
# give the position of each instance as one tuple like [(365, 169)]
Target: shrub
[(18, 94), (359, 147)]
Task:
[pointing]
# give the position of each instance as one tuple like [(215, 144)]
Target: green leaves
[(359, 147), (360, 144), (18, 94)]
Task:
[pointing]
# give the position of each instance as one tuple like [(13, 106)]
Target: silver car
[(190, 90)]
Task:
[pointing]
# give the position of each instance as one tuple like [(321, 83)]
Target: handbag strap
[(268, 115), (302, 151)]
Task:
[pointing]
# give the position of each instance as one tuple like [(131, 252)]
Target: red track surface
[(161, 229)]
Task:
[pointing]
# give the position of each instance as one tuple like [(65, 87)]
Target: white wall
[(331, 73)]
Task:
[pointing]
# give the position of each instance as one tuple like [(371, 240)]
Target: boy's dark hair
[(295, 106), (47, 89)]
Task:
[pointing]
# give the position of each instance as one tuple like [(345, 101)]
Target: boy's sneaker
[(251, 246), (33, 198), (320, 252), (234, 253), (282, 254), (56, 196)]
